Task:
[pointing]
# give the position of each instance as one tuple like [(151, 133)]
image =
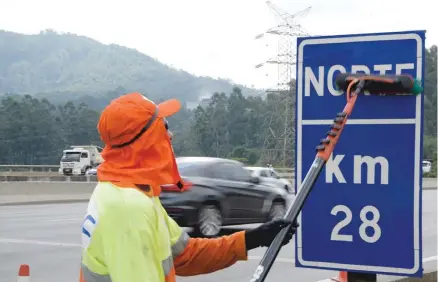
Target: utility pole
[(278, 146)]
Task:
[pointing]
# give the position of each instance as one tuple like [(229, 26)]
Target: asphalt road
[(47, 238)]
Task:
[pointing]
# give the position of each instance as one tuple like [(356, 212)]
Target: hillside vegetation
[(60, 66), (78, 76)]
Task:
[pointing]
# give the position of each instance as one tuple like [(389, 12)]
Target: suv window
[(263, 173), (84, 155), (274, 175), (230, 171), (193, 169)]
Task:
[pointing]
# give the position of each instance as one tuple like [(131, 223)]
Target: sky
[(213, 38)]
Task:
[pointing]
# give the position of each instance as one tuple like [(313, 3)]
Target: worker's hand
[(263, 235)]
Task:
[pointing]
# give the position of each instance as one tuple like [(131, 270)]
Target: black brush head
[(379, 84)]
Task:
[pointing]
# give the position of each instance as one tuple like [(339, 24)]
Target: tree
[(35, 132), (232, 125), (430, 91)]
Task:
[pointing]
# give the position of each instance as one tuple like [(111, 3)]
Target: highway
[(47, 238)]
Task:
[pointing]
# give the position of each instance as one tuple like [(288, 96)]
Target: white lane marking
[(26, 213), (289, 260), (62, 219), (42, 219), (38, 242), (60, 244), (37, 213)]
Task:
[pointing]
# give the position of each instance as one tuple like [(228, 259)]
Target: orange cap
[(137, 149), (126, 118)]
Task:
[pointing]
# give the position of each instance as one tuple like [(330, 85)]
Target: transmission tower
[(278, 146)]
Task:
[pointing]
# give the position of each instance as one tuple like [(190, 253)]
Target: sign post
[(364, 213)]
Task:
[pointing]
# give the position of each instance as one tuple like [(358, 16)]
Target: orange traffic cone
[(342, 276), (24, 273)]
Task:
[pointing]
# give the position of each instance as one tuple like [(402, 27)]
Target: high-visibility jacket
[(127, 236)]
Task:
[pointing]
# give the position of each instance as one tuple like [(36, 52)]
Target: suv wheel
[(209, 221), (278, 210)]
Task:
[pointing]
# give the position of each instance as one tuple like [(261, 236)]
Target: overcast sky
[(213, 37)]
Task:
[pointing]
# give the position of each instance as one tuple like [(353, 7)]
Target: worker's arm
[(202, 256), (193, 256)]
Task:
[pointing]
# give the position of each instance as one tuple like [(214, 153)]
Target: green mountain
[(65, 66)]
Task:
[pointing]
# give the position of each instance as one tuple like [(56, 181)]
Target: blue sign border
[(300, 172)]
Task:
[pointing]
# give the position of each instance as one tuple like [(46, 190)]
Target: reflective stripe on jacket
[(128, 236)]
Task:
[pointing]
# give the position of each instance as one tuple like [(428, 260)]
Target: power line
[(278, 145)]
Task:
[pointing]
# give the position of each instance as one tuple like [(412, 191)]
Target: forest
[(64, 66), (35, 127)]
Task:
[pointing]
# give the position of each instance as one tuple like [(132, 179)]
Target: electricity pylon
[(278, 146)]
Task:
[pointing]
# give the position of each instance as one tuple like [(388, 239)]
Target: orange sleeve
[(202, 256)]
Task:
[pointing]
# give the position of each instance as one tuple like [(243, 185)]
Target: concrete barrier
[(18, 193), (28, 173), (33, 189), (56, 178), (28, 168), (427, 182)]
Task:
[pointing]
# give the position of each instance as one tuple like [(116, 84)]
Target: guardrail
[(288, 173), (29, 168), (49, 173), (428, 183), (56, 167), (52, 170), (58, 178)]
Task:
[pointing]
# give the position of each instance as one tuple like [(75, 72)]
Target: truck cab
[(427, 166), (79, 159)]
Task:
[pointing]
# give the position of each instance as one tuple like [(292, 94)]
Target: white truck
[(427, 166), (79, 159)]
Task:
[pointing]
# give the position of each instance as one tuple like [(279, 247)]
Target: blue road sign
[(364, 213)]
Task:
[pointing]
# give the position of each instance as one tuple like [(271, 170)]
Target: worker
[(127, 234)]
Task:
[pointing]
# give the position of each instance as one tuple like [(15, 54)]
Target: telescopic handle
[(324, 150)]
